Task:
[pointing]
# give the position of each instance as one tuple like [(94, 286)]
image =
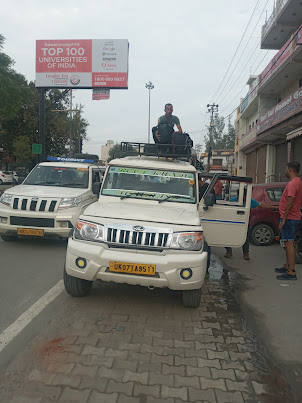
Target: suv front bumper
[(169, 264)]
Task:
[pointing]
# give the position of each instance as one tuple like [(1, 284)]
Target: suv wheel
[(262, 235), (8, 238), (191, 298), (76, 287)]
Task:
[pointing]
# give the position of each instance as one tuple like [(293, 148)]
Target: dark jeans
[(245, 246)]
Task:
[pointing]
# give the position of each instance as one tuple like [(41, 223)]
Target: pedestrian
[(290, 216), (246, 245), (169, 119), (218, 189)]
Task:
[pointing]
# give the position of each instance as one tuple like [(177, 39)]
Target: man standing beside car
[(290, 213)]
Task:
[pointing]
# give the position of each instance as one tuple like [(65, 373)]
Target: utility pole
[(212, 108), (70, 134), (150, 87)]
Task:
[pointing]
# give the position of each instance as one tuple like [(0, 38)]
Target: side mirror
[(96, 187), (209, 200)]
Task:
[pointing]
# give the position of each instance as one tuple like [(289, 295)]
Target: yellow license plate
[(30, 231), (133, 268)]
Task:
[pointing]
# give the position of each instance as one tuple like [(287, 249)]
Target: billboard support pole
[(42, 122)]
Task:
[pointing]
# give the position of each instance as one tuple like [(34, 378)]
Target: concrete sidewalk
[(273, 307)]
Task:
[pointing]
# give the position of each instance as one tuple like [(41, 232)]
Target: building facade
[(220, 161), (105, 150), (269, 119)]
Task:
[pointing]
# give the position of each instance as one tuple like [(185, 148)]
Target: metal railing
[(275, 13)]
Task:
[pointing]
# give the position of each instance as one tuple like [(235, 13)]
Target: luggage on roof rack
[(157, 150)]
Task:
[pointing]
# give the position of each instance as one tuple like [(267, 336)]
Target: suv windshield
[(150, 184), (58, 176)]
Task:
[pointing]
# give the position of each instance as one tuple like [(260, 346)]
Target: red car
[(264, 223)]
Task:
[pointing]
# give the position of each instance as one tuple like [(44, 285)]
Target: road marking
[(15, 328)]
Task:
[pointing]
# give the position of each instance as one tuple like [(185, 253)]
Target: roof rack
[(157, 150)]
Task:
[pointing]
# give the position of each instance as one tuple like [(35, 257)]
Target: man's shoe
[(228, 254), (287, 276), (281, 269), (246, 256)]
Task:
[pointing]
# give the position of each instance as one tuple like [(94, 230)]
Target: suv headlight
[(89, 231), (68, 202), (187, 241), (6, 199)]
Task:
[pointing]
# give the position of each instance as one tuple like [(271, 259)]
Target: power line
[(243, 88), (221, 92), (236, 50), (240, 73)]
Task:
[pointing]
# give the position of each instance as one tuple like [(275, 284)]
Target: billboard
[(100, 93), (84, 63)]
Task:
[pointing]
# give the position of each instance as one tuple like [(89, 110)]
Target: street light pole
[(211, 109), (150, 87)]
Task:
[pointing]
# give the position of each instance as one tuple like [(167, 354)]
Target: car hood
[(45, 191), (160, 213)]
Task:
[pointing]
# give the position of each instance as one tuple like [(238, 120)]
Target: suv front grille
[(151, 237), (35, 204)]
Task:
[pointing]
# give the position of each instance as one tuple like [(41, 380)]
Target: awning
[(293, 134)]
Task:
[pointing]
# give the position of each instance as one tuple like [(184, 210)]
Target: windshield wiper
[(72, 184), (169, 197), (45, 183), (131, 194)]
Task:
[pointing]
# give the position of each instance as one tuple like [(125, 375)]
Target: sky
[(183, 47)]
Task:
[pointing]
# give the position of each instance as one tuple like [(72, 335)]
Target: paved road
[(124, 343)]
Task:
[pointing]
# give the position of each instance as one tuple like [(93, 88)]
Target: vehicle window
[(58, 176), (95, 176), (275, 193), (7, 172), (150, 184)]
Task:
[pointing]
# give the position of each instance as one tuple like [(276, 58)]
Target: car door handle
[(240, 212)]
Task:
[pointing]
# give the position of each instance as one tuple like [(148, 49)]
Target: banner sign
[(248, 138), (85, 63), (100, 93), (282, 111)]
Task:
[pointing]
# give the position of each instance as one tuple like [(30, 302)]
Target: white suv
[(149, 228), (50, 199)]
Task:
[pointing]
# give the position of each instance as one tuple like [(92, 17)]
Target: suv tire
[(262, 235), (191, 298), (76, 287), (9, 238)]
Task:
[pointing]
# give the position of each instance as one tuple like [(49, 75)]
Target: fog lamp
[(63, 224), (3, 220), (81, 263), (186, 274)]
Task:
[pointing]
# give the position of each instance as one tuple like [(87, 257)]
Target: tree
[(116, 152), (22, 150), (220, 139)]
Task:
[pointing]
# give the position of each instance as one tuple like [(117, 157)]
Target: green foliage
[(221, 139), (22, 150), (116, 152)]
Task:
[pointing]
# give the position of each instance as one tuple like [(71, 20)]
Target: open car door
[(225, 218)]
